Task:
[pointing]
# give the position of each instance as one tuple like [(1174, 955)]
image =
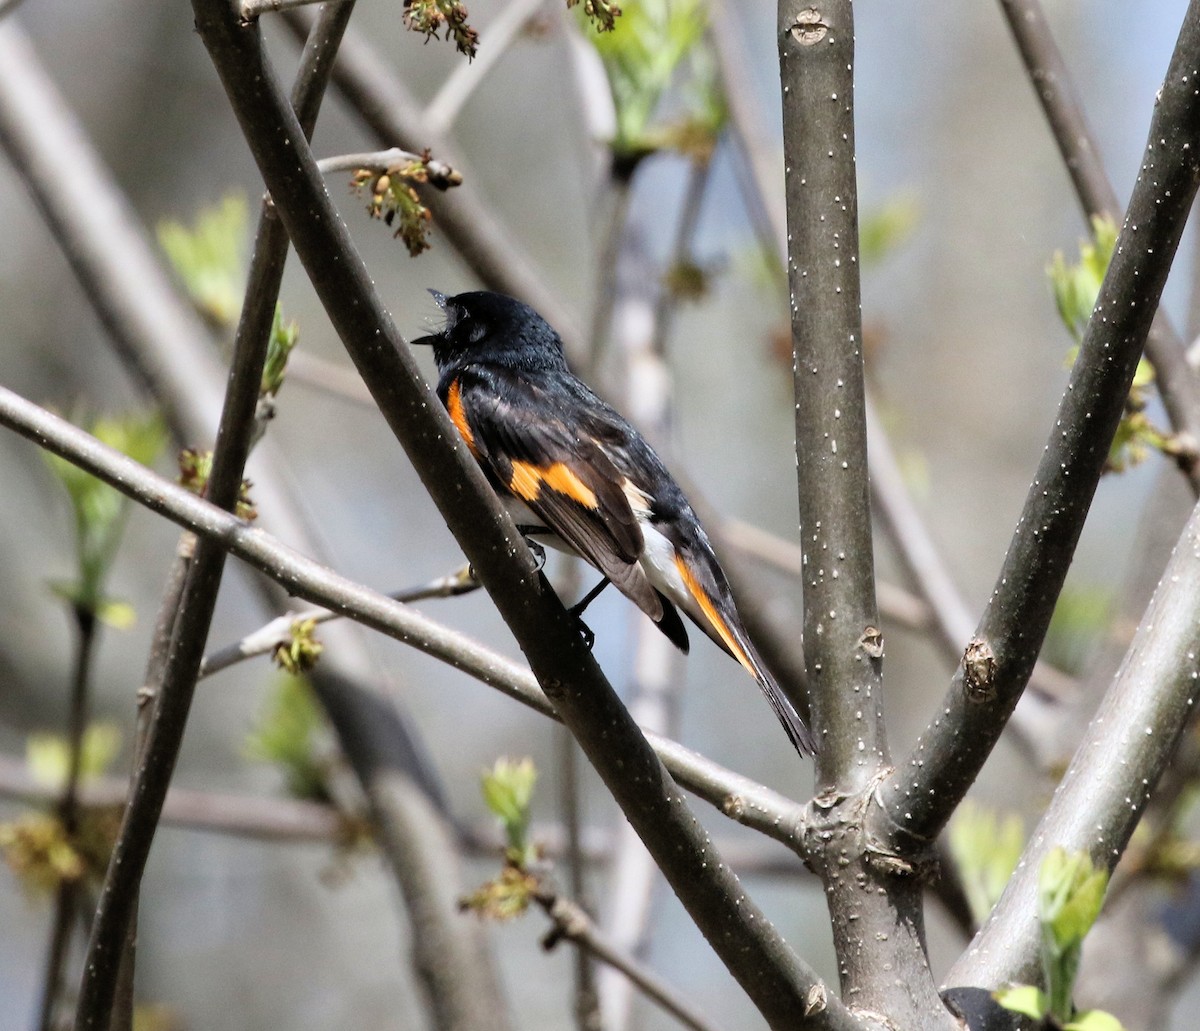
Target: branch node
[(871, 642), (979, 671), (809, 27)]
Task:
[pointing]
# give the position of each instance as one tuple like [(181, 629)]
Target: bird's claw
[(585, 631)]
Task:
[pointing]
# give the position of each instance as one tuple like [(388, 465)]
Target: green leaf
[(284, 337), (1024, 999), (986, 846), (508, 792), (290, 735), (1094, 1020), (209, 257), (116, 613), (1070, 894), (48, 755), (1076, 287), (641, 54), (98, 509)]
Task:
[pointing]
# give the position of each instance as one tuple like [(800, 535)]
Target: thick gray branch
[(1110, 780), (927, 787)]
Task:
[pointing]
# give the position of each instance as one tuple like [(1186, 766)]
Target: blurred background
[(967, 360)]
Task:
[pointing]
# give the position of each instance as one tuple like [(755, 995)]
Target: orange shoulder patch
[(527, 480), (458, 416)]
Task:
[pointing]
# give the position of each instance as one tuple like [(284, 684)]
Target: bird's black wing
[(538, 444)]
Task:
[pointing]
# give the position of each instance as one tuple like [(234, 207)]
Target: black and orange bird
[(575, 475)]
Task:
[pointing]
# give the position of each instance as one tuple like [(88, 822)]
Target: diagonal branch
[(767, 969), (1105, 791), (1051, 81), (924, 791)]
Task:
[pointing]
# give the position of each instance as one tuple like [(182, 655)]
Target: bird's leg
[(580, 607), (577, 611)]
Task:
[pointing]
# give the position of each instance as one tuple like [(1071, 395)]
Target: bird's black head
[(482, 326)]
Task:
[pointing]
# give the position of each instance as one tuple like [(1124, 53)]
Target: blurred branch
[(418, 842), (65, 902), (467, 76), (572, 923), (158, 337), (1051, 81), (1125, 750), (758, 167), (249, 816), (920, 796)]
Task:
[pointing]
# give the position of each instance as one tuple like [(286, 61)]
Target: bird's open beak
[(425, 341)]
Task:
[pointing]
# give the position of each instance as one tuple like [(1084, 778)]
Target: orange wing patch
[(458, 416), (714, 617), (527, 480)]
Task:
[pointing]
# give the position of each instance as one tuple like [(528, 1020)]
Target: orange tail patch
[(714, 617)]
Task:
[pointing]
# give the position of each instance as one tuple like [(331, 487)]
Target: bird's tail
[(718, 617)]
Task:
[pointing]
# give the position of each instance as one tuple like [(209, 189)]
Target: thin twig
[(494, 40), (68, 807), (928, 786), (279, 630), (441, 174), (250, 9), (1051, 81), (572, 923)]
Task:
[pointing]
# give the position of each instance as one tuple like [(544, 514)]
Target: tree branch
[(494, 41), (572, 922), (1051, 81), (1128, 744), (842, 641), (876, 907), (921, 795)]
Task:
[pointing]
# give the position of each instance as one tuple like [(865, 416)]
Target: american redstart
[(577, 476)]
